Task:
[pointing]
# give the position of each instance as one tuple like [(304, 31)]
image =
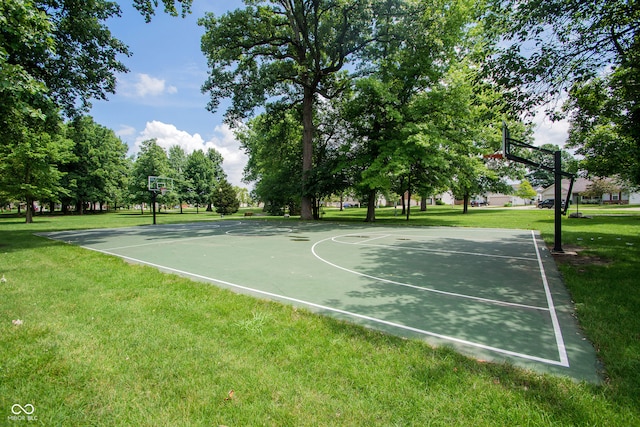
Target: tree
[(272, 141), (148, 7), (290, 50), (200, 173), (31, 140), (28, 170), (602, 130), (588, 50), (224, 198), (215, 160), (243, 196), (151, 161), (80, 60), (540, 177), (415, 45), (525, 191), (599, 187), (177, 165), (550, 45), (373, 121), (55, 57), (98, 168)]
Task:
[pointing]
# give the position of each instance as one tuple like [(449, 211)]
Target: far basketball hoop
[(496, 156), (158, 184)]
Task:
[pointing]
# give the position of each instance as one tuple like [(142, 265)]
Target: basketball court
[(492, 294)]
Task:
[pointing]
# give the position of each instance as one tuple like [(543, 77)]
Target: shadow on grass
[(13, 241)]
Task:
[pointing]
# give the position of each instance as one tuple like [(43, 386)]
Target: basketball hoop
[(496, 156), (163, 190)]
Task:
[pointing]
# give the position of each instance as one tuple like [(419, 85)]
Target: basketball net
[(494, 160)]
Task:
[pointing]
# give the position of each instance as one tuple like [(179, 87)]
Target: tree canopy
[(587, 53), (290, 51)]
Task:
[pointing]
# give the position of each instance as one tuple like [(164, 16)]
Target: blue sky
[(160, 97)]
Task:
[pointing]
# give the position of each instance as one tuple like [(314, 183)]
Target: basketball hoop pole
[(558, 173), (154, 195), (158, 184), (557, 239)]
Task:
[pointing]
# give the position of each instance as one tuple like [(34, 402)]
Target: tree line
[(90, 170), (369, 96)]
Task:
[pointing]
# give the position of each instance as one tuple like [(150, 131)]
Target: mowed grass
[(103, 342)]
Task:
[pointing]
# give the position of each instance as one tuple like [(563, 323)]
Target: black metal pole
[(557, 204), (153, 202)]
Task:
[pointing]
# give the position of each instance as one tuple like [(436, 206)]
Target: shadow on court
[(491, 294)]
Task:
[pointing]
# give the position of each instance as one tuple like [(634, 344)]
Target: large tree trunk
[(371, 207), (306, 210), (29, 212)]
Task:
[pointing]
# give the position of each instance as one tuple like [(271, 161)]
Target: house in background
[(499, 199), (620, 197)]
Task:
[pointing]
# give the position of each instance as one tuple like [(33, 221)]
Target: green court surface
[(492, 294)]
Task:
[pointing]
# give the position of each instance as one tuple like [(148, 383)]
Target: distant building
[(581, 185)]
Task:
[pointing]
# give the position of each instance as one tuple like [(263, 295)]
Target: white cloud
[(550, 132), (168, 135), (223, 140), (145, 85), (125, 131)]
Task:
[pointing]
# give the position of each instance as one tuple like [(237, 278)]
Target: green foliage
[(151, 161), (55, 57), (98, 171), (588, 49), (148, 350), (545, 178), (148, 7), (526, 191), (272, 141), (225, 198), (598, 187), (284, 52), (28, 170), (202, 173), (604, 129), (271, 49), (177, 167), (552, 44)]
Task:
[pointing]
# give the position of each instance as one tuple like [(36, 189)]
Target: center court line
[(436, 291), (337, 310)]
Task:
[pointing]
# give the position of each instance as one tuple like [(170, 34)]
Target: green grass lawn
[(103, 342)]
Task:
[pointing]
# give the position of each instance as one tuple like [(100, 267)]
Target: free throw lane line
[(564, 359)]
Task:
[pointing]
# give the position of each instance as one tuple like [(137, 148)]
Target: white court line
[(436, 291), (564, 359), (427, 249), (336, 310), (164, 242), (369, 240)]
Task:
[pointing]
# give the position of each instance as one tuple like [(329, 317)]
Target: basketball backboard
[(160, 184)]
